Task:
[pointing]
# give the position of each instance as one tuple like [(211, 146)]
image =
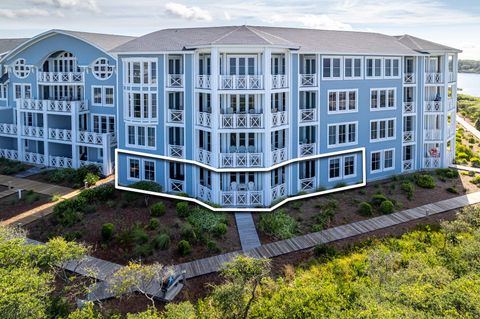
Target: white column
[(107, 161), (215, 136), (74, 124), (20, 148), (267, 75), (446, 78), (46, 136)]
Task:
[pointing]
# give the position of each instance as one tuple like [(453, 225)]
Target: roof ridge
[(254, 29), (404, 45), (226, 34), (411, 38), (257, 33)]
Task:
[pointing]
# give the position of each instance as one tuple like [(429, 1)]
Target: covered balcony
[(241, 82), (52, 106), (432, 155), (60, 67), (175, 72), (279, 113), (8, 129), (409, 75), (241, 111), (307, 145), (433, 70), (308, 71), (241, 189)]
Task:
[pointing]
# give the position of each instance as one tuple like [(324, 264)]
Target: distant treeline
[(469, 66)]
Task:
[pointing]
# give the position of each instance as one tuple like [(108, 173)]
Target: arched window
[(101, 69), (20, 69)]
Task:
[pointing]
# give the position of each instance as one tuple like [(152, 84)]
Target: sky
[(454, 23)]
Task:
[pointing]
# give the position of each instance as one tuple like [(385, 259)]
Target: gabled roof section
[(6, 45), (424, 46)]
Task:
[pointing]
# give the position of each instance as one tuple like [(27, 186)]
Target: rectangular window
[(142, 72), (388, 159), (375, 158), (353, 68), (141, 136), (383, 160), (97, 95), (382, 99), (342, 101), (349, 166), (108, 96), (142, 107), (334, 168), (392, 67), (3, 92), (102, 95), (332, 68), (342, 134), (134, 168), (22, 91), (382, 130), (341, 167), (149, 170), (373, 67)]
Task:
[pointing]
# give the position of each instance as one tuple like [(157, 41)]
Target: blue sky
[(455, 23)]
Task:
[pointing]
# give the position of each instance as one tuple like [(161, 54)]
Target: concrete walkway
[(247, 231), (465, 168), (37, 187), (468, 126)]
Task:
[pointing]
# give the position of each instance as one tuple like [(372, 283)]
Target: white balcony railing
[(204, 82), (90, 138), (432, 78), (60, 134), (88, 163), (33, 131), (9, 154), (307, 115), (176, 151), (52, 105), (175, 81), (175, 116), (409, 78), (230, 160), (279, 81), (451, 77), (279, 155), (8, 129), (432, 135), (409, 107), (241, 120), (433, 106), (307, 184), (204, 119), (431, 162), (241, 82), (34, 158), (60, 77), (451, 104), (204, 156), (279, 118), (307, 149), (279, 191), (407, 165), (175, 185), (60, 162), (408, 136), (241, 198), (307, 80), (204, 193)]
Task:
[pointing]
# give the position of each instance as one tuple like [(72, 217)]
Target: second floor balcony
[(409, 78), (52, 106), (240, 82), (33, 131), (204, 119), (8, 129), (307, 149), (175, 80), (241, 121), (307, 115), (279, 118), (60, 77), (279, 81), (241, 158), (203, 81), (175, 116), (307, 80), (433, 77), (279, 155)]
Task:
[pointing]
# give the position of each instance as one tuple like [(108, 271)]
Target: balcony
[(433, 106), (279, 118), (176, 185), (409, 78), (204, 119), (407, 165), (307, 149), (60, 162), (233, 121), (204, 156), (241, 160), (306, 184), (204, 193), (432, 135), (175, 116), (307, 115), (409, 107), (241, 198), (33, 131), (307, 80), (60, 77), (60, 134), (279, 191), (175, 81), (408, 136), (279, 81), (176, 151), (34, 158), (52, 105), (9, 154), (204, 82), (93, 138), (241, 82), (8, 129), (432, 162), (279, 155), (432, 78)]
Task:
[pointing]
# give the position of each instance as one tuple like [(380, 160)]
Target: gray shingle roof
[(421, 45), (104, 41), (9, 44), (305, 40)]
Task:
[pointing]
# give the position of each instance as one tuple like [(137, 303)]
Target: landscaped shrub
[(425, 181), (31, 197), (278, 224), (205, 221), (324, 217), (182, 209), (161, 242), (157, 209), (184, 248), (452, 190), (475, 161), (475, 180), (220, 229), (296, 204), (138, 234), (365, 209), (447, 172), (104, 192), (387, 207), (378, 199), (107, 231), (91, 179), (68, 217), (154, 223), (71, 176), (69, 212), (188, 233), (324, 251), (408, 188), (143, 250), (11, 167), (147, 186), (212, 247)]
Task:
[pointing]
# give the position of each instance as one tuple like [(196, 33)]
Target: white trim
[(332, 179), (214, 209), (353, 77), (154, 169), (331, 77), (342, 175), (347, 100), (337, 134), (109, 69), (386, 108), (386, 138)]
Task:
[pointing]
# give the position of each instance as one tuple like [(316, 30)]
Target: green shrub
[(475, 161), (104, 192), (378, 199), (147, 186), (107, 231), (296, 204), (182, 209), (324, 251), (143, 250), (154, 223), (31, 198), (447, 172), (408, 188), (476, 180), (89, 194), (161, 242), (365, 209), (463, 155), (188, 233), (184, 248), (323, 218), (68, 217), (205, 221), (212, 247), (91, 179), (452, 190), (425, 181), (387, 207), (138, 234), (71, 236), (157, 209), (220, 230), (278, 224)]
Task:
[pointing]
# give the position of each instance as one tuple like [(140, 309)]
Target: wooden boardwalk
[(38, 187), (247, 231)]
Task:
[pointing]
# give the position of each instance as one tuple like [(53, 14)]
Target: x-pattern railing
[(203, 81), (10, 129), (308, 115), (279, 81), (279, 118), (308, 80), (307, 184), (175, 116), (307, 149), (175, 80), (176, 151)]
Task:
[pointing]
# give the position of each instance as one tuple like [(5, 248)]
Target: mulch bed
[(11, 206)]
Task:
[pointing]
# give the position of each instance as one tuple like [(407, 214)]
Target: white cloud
[(90, 5), (227, 16), (20, 13), (188, 13), (324, 21)]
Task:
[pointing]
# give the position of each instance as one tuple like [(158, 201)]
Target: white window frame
[(154, 169), (354, 174), (382, 161), (381, 67), (3, 92), (342, 175), (22, 90), (331, 77), (129, 160), (109, 119), (103, 89), (128, 76), (386, 108), (391, 76), (97, 71), (347, 132), (331, 179), (136, 145), (130, 107), (21, 69), (347, 92), (100, 153), (386, 138), (353, 77)]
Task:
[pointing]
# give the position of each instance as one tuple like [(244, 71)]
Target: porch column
[(107, 156), (215, 113), (74, 125)]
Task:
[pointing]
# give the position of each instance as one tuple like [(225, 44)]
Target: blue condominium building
[(236, 116)]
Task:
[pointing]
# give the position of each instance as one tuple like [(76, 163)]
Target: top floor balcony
[(433, 77), (241, 82), (52, 106), (175, 81), (61, 77)]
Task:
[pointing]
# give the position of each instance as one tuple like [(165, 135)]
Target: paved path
[(7, 192), (38, 187), (465, 168), (468, 126), (29, 172), (247, 231)]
